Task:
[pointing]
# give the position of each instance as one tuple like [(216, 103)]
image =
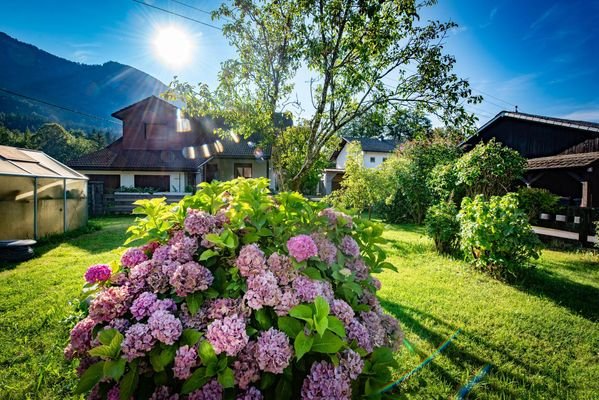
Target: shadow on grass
[(461, 351), (579, 298), (99, 236)]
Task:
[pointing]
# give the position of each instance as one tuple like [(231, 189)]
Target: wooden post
[(586, 195), (586, 221)]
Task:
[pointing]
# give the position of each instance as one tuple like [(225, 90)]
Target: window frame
[(244, 166)]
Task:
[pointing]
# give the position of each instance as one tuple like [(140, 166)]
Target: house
[(374, 151), (563, 155), (161, 150)]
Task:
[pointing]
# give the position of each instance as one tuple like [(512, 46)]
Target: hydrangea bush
[(237, 294)]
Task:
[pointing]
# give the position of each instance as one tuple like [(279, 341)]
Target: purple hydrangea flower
[(161, 254), (114, 393), (351, 364), (302, 247), (98, 273), (327, 251), (191, 277), (307, 289), (137, 342), (198, 222), (197, 321), (262, 290), (132, 257), (358, 267), (138, 275), (334, 216), (281, 266), (343, 311), (227, 335), (250, 261), (164, 393), (210, 391), (109, 304), (220, 308), (143, 305), (358, 332), (185, 359), (393, 331), (325, 382), (349, 246), (273, 351), (372, 321), (246, 367), (376, 283), (165, 327), (81, 337), (371, 300), (251, 394), (288, 300), (182, 247)]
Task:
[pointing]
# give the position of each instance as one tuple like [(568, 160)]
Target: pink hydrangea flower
[(325, 382), (137, 342), (165, 327), (245, 368), (185, 359), (251, 260), (81, 336), (109, 304), (199, 222), (227, 335), (114, 393), (182, 247), (191, 277), (273, 351), (98, 273), (210, 391), (221, 308), (251, 394), (164, 393), (281, 266), (334, 216), (327, 251), (288, 300), (349, 246), (262, 291), (302, 247), (132, 257), (143, 305)]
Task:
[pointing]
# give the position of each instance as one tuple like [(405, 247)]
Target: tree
[(349, 48), (401, 125), (362, 188), (57, 142)]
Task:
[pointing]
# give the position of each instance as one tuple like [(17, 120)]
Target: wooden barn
[(563, 155)]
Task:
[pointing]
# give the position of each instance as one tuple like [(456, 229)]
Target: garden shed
[(39, 196)]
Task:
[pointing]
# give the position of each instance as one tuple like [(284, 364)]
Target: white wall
[(378, 158)]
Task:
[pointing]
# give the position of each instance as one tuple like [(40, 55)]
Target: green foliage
[(534, 201), (362, 188), (158, 218), (495, 234), (348, 48), (415, 175), (399, 124), (443, 227), (489, 169)]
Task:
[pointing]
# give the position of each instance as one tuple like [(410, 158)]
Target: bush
[(238, 293), (495, 234), (443, 227), (534, 201), (489, 169)]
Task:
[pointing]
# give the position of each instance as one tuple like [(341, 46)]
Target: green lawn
[(540, 333)]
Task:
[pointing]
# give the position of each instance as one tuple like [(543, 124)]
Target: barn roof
[(33, 163), (567, 123), (563, 161)]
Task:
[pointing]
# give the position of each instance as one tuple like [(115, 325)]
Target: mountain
[(98, 90)]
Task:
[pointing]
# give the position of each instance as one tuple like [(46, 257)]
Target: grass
[(539, 332)]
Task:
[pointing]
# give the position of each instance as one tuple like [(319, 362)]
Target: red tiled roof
[(563, 161)]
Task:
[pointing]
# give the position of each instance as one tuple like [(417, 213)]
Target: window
[(372, 159), (159, 183), (242, 170)]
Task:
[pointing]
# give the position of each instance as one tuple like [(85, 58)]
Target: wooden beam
[(586, 194)]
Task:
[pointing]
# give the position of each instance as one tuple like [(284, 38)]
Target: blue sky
[(540, 55)]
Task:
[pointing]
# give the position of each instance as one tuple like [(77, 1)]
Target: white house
[(374, 151)]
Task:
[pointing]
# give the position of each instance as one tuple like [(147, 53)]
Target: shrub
[(534, 201), (495, 234), (489, 169), (238, 294), (443, 227)]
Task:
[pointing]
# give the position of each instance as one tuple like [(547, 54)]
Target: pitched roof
[(373, 144), (118, 114), (567, 123), (563, 161), (34, 163)]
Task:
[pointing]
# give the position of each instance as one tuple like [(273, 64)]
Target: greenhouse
[(39, 196)]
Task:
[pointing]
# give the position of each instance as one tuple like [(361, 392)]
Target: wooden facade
[(563, 155)]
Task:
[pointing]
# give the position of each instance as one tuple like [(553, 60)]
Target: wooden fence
[(573, 223), (122, 203)]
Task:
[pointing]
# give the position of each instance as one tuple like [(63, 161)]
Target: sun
[(173, 46)]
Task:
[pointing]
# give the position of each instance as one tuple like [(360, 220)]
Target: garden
[(531, 333)]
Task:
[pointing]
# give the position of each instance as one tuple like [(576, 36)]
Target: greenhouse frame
[(39, 196)]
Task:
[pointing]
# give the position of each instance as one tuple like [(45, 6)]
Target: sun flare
[(173, 46)]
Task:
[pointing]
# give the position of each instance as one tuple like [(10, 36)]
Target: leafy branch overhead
[(359, 56)]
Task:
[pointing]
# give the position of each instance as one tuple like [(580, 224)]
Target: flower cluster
[(198, 314)]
